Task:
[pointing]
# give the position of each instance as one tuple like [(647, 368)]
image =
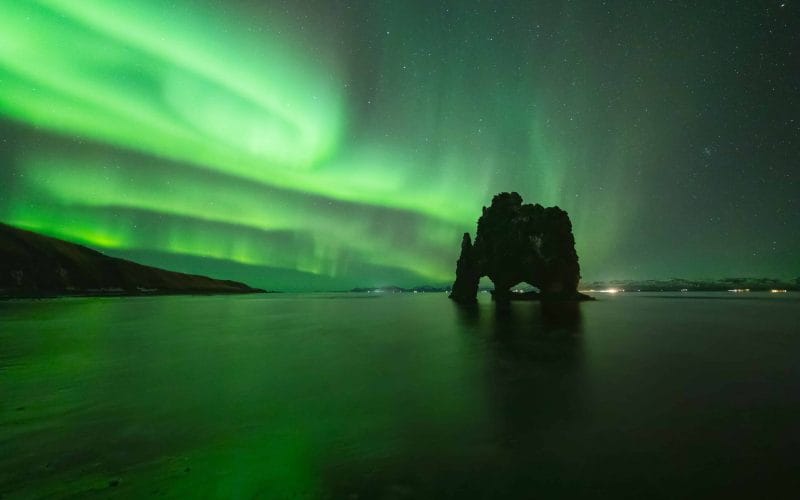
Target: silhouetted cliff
[(33, 265), (517, 243)]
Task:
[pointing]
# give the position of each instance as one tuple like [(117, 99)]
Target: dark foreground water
[(404, 396)]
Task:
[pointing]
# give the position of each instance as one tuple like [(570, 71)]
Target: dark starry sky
[(670, 131)]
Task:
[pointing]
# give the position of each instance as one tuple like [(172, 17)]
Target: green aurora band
[(185, 130)]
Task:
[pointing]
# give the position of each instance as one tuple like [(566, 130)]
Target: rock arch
[(518, 243)]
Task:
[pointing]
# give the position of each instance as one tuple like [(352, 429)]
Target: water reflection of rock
[(536, 390), (534, 366), (528, 373)]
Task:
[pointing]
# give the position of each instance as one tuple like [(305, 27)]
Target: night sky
[(306, 145)]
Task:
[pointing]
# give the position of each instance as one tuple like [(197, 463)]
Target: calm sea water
[(399, 396)]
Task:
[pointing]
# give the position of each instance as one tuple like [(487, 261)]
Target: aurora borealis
[(325, 145)]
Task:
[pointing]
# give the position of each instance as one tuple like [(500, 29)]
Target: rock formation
[(465, 288), (518, 243)]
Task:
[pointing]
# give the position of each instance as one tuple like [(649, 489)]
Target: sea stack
[(516, 243)]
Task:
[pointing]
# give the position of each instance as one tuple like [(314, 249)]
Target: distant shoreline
[(121, 294), (737, 285), (374, 292)]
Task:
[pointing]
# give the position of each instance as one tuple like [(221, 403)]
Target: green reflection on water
[(231, 397), (330, 396)]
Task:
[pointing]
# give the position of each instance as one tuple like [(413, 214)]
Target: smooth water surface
[(398, 396)]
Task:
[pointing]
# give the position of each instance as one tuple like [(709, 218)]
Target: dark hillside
[(33, 265)]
